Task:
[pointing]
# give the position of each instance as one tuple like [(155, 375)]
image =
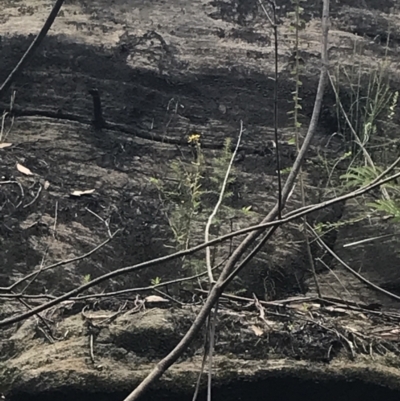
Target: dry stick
[(30, 282), (213, 317), (211, 349), (347, 267), (286, 303), (34, 45), (217, 206), (277, 146), (35, 198), (274, 24), (216, 291), (370, 239), (204, 360), (339, 295), (23, 302), (289, 217)]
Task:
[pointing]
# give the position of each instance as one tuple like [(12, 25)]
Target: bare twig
[(213, 317), (217, 206), (106, 223), (353, 272), (274, 24), (34, 199), (261, 310), (370, 239), (91, 348), (55, 220)]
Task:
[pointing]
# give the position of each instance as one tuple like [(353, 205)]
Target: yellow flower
[(194, 138)]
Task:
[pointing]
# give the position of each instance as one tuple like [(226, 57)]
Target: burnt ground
[(158, 83), (149, 115), (164, 72)]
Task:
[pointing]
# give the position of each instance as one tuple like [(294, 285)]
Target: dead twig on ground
[(106, 222), (35, 198)]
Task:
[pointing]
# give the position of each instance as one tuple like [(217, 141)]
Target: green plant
[(365, 107), (363, 100), (181, 195), (155, 281), (188, 195)]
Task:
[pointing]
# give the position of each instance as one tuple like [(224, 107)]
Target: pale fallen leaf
[(81, 193), (5, 145), (257, 331), (24, 170), (155, 299), (46, 185)]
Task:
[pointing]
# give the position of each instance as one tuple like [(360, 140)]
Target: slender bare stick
[(217, 206), (213, 317), (352, 271)]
